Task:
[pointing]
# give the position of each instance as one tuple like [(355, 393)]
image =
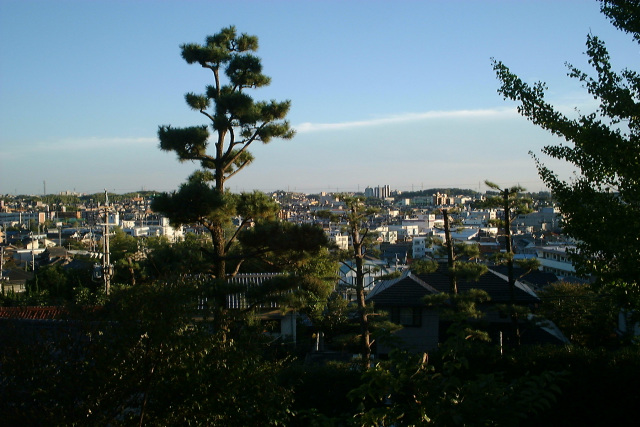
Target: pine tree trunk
[(365, 339), (453, 281), (510, 274)]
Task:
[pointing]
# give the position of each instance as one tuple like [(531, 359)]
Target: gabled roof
[(406, 290), (409, 289), (17, 275), (58, 251), (535, 277)]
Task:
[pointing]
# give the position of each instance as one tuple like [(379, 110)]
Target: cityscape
[(397, 252), (401, 226)]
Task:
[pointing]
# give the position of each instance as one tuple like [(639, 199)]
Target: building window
[(406, 316)]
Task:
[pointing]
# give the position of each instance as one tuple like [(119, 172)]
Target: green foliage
[(600, 204), (586, 316), (424, 266), (169, 260), (334, 319), (511, 198), (468, 271), (144, 361), (597, 385), (528, 265), (195, 201), (410, 390), (236, 119), (121, 244), (320, 394), (354, 219), (54, 285), (431, 191)]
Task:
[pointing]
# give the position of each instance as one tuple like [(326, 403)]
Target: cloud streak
[(72, 144), (308, 127)]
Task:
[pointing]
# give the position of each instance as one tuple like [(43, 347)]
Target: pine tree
[(236, 121)]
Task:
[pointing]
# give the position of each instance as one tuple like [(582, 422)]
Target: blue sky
[(383, 92)]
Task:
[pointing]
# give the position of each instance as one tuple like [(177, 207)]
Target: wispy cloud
[(101, 142), (404, 118), (14, 151)]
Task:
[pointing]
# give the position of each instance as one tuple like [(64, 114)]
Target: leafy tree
[(601, 203), (586, 316), (141, 360), (123, 249), (51, 279), (53, 284), (172, 260), (512, 205), (237, 121)]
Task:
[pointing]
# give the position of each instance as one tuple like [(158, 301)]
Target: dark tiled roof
[(57, 252), (410, 289), (537, 277), (18, 274)]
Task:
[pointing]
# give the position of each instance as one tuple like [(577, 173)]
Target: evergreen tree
[(512, 205), (460, 269), (355, 222), (237, 121)]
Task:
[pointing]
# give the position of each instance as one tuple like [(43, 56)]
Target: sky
[(399, 93)]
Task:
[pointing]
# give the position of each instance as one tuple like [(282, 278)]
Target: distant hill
[(432, 191)]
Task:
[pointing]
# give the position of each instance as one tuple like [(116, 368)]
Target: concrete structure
[(546, 219), (419, 247), (405, 232), (22, 218), (556, 260), (380, 192), (386, 235)]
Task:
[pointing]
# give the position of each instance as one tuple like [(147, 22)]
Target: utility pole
[(107, 267), (1, 264)]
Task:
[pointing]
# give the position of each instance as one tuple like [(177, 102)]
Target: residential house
[(422, 328)]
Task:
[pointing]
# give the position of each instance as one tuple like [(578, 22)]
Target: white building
[(340, 239), (386, 235), (556, 260), (464, 235), (419, 247), (162, 229), (405, 232)]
